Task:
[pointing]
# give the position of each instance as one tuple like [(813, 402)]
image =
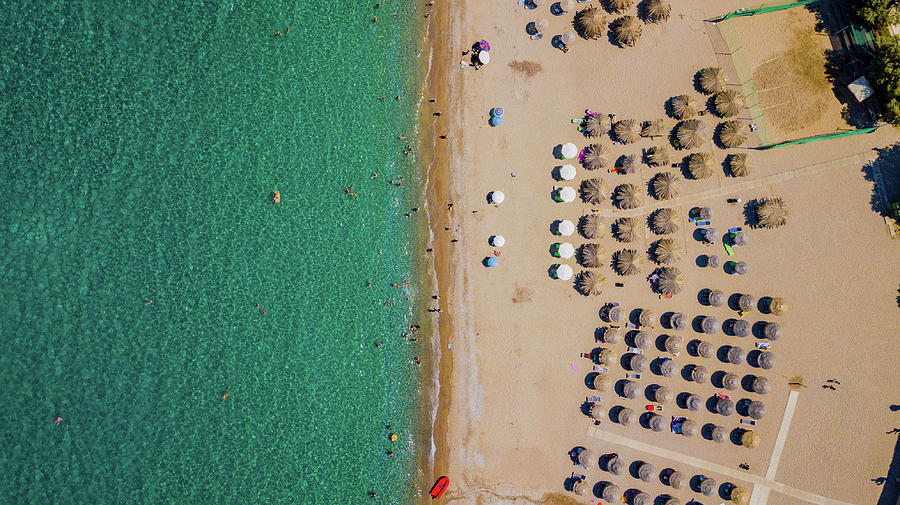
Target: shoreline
[(436, 155)]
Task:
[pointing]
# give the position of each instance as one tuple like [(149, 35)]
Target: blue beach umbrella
[(496, 120), (491, 262)]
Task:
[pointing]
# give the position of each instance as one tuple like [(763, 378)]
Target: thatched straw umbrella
[(667, 368), (700, 165), (658, 156), (750, 439), (628, 261), (700, 374), (705, 213), (628, 164), (607, 357), (716, 298), (740, 496), (736, 355), (739, 238), (710, 235), (741, 268), (740, 328), (719, 434), (731, 381), (638, 363), (592, 255), (641, 498), (738, 165), (778, 306), (595, 124), (595, 157), (729, 102), (771, 212), (611, 492), (653, 128), (590, 283), (626, 229), (628, 196), (712, 80), (663, 394), (772, 331), (705, 350), (667, 251), (627, 131), (746, 302), (618, 5), (657, 422), (684, 106), (710, 325), (714, 261), (591, 226), (671, 281), (756, 410), (724, 406), (646, 318), (616, 466), (709, 486), (612, 335), (732, 133), (678, 321), (602, 382), (626, 417), (694, 402), (760, 385), (586, 458), (665, 221), (677, 479), (666, 185), (657, 11), (541, 24), (642, 340), (598, 413), (578, 487), (690, 133), (590, 23), (614, 314), (626, 30), (673, 344), (690, 428), (630, 389), (646, 472), (594, 190)]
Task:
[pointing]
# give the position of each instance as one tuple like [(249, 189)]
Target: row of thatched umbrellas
[(678, 321), (694, 402), (689, 133), (647, 472), (590, 23)]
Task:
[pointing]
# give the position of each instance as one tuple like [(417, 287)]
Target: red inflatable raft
[(439, 487)]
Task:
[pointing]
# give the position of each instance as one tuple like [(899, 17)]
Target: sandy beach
[(512, 382)]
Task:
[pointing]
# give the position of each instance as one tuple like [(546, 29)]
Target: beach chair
[(743, 313), (600, 368), (748, 422), (577, 120), (632, 326), (635, 350), (728, 249), (592, 399), (735, 230), (701, 223), (632, 375), (763, 345)]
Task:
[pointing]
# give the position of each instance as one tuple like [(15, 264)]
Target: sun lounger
[(728, 249), (592, 399), (600, 368), (632, 326), (748, 422), (691, 220), (743, 313), (701, 223), (577, 120), (632, 375), (635, 350), (763, 345), (735, 230)]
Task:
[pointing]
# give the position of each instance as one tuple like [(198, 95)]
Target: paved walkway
[(761, 485)]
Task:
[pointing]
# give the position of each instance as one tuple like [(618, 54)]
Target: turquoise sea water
[(140, 143)]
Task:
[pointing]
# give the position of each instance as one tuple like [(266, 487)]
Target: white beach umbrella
[(567, 194), (569, 150), (496, 197), (565, 250), (484, 57), (497, 241), (566, 227), (567, 172), (563, 272)]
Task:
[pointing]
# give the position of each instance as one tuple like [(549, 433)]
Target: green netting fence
[(762, 9), (826, 136)]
